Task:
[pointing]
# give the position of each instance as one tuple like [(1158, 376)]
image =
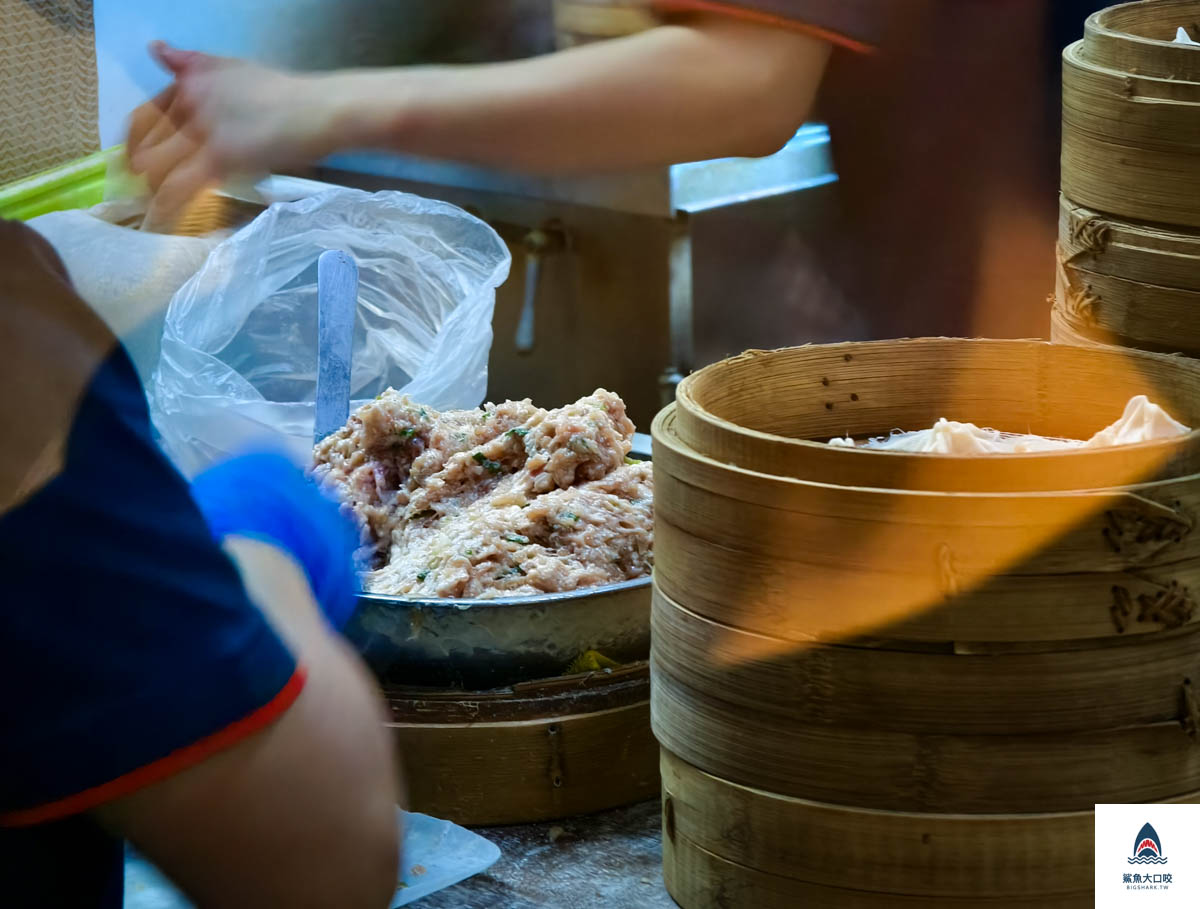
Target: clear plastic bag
[(238, 364), (435, 855), (127, 276)]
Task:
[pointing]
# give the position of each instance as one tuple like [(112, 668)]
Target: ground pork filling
[(507, 500)]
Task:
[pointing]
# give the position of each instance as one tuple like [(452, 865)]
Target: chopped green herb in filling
[(490, 466), (516, 538)]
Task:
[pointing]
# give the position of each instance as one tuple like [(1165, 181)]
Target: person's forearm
[(302, 813), (676, 93)]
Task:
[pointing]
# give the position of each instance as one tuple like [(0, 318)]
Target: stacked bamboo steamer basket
[(885, 679), (533, 751), (1129, 237)]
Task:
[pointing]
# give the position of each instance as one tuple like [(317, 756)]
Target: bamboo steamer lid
[(1131, 137), (772, 412), (731, 845)]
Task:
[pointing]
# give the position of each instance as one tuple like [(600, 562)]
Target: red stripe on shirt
[(178, 760), (752, 15)]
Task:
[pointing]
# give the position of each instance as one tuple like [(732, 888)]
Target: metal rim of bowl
[(578, 593)]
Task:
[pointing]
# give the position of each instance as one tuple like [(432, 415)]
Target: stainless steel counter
[(804, 163)]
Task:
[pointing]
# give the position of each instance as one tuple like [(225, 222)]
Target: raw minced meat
[(508, 500)]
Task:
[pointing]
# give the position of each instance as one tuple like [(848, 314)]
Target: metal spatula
[(337, 305)]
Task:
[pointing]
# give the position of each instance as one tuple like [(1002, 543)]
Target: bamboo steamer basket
[(901, 543), (1131, 134), (929, 663), (1134, 285), (880, 769), (729, 845), (534, 751), (1126, 684)]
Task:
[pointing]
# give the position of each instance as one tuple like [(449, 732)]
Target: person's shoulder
[(52, 345)]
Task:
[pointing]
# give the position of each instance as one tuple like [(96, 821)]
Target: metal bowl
[(480, 644)]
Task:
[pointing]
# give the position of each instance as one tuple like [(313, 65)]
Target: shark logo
[(1147, 848)]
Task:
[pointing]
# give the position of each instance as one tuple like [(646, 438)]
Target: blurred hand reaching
[(710, 86), (221, 117)]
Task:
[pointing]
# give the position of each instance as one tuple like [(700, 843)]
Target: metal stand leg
[(682, 337)]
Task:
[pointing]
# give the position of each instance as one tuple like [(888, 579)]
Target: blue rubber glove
[(266, 497)]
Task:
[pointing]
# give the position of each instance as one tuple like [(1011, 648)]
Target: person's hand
[(222, 117), (264, 497)]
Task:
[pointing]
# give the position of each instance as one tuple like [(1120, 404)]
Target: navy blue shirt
[(129, 649)]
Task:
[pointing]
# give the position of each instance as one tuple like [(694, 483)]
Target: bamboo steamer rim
[(712, 430), (1117, 37), (1083, 70), (523, 771), (1144, 315), (1085, 230), (667, 437), (965, 818)]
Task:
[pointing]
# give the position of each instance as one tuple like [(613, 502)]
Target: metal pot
[(481, 644)]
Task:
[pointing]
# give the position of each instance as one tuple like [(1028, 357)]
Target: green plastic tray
[(79, 184)]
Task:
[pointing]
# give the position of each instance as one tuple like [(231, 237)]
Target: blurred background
[(927, 208)]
